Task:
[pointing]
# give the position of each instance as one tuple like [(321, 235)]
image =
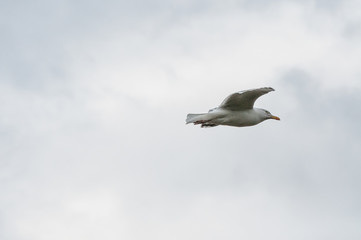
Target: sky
[(93, 101)]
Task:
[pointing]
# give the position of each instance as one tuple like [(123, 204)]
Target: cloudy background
[(93, 99)]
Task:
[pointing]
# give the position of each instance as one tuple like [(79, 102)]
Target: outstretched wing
[(245, 99)]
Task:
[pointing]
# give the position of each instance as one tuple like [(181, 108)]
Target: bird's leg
[(200, 122), (208, 125), (205, 123)]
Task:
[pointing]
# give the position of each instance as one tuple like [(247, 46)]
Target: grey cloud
[(338, 105), (91, 156), (328, 115), (40, 38)]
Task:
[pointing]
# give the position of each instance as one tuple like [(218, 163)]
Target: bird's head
[(267, 115)]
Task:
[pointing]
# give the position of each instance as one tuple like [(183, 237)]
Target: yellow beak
[(275, 118)]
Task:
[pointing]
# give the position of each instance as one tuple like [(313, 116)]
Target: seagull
[(236, 110)]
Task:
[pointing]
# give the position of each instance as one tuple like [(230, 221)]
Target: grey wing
[(244, 99)]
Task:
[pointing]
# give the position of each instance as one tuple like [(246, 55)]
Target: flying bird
[(236, 110)]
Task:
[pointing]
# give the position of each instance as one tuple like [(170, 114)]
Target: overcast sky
[(93, 100)]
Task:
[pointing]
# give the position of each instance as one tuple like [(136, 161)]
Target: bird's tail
[(201, 118), (195, 118)]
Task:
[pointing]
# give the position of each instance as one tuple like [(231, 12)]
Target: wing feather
[(244, 99)]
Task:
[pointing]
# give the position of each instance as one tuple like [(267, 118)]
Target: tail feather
[(201, 118), (192, 118)]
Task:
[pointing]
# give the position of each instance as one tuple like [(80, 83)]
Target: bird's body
[(236, 110)]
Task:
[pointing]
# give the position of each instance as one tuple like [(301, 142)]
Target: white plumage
[(236, 110)]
